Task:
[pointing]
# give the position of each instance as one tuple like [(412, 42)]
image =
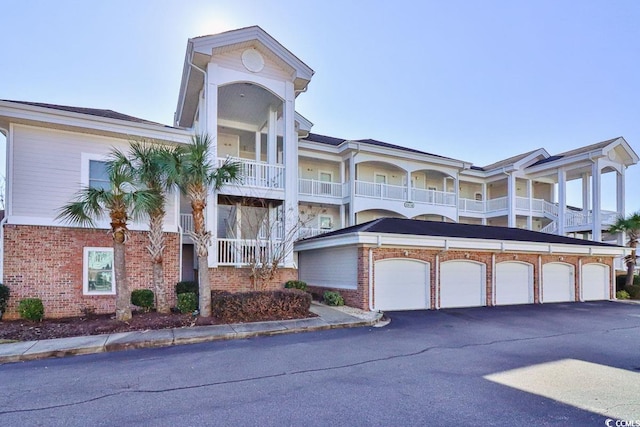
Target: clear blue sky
[(474, 80)]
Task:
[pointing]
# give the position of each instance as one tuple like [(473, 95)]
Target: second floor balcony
[(257, 174)]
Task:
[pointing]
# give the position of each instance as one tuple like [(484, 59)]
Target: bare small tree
[(265, 243)]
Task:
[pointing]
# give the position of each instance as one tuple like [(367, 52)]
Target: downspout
[(204, 87), (437, 287), (579, 280), (371, 308), (493, 279), (6, 211), (540, 296)]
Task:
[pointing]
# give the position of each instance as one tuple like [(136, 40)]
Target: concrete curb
[(63, 347)]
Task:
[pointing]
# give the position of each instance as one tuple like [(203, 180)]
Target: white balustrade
[(314, 187), (433, 197), (245, 251), (381, 191), (186, 222), (257, 174)]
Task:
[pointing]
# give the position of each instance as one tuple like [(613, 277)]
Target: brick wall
[(234, 279), (46, 263), (360, 297)]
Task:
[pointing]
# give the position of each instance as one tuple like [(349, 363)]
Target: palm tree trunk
[(631, 265), (201, 241), (123, 296), (156, 249)]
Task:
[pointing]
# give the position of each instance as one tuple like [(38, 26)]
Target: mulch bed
[(95, 324)]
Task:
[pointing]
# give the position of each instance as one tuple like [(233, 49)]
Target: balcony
[(246, 251), (523, 205), (305, 232), (433, 197), (257, 174), (312, 187)]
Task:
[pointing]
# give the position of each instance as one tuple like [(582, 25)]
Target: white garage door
[(595, 282), (401, 284), (514, 283), (462, 284), (557, 282)]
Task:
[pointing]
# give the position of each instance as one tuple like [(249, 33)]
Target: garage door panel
[(595, 282), (514, 283), (402, 284), (462, 284), (558, 282)]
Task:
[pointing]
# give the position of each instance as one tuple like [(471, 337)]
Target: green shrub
[(621, 281), (333, 298), (4, 298), (187, 286), (143, 298), (187, 302), (622, 295), (634, 291), (261, 305), (296, 284), (31, 309)]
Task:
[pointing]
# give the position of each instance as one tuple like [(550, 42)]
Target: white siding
[(331, 267), (233, 60), (47, 169)]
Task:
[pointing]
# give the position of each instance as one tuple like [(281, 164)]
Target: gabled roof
[(447, 229), (329, 140), (109, 114), (591, 148), (513, 161)]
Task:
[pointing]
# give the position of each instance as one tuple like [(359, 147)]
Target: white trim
[(457, 243), (85, 271), (320, 172), (99, 225), (85, 158), (320, 217)]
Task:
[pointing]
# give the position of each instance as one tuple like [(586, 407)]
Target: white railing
[(257, 174), (314, 187), (550, 208), (186, 222), (433, 197), (306, 232), (244, 251), (522, 203), (537, 205), (551, 228), (471, 205), (496, 204), (346, 189), (381, 191)]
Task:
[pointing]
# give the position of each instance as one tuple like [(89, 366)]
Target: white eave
[(456, 243), (16, 112)]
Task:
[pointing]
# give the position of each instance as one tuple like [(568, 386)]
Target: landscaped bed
[(227, 308)]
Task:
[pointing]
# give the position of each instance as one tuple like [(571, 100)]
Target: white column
[(409, 185), (511, 200), (352, 195), (530, 195), (258, 146), (456, 187), (596, 204), (586, 190), (272, 137), (484, 203), (342, 216), (562, 200), (291, 161), (620, 207), (211, 127)]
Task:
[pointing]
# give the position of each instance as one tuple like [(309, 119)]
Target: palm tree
[(191, 169), (122, 201), (144, 161), (631, 226)]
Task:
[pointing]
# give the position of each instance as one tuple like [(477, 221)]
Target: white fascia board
[(66, 118), (323, 155), (317, 146), (529, 159), (99, 224), (186, 73), (395, 152), (305, 124), (565, 161), (455, 243)]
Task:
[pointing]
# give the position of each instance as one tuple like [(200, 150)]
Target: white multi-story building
[(241, 87)]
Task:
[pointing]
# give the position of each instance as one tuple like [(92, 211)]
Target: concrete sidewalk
[(328, 318)]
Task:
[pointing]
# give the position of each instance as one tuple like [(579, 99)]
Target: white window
[(98, 175), (326, 222), (98, 274)]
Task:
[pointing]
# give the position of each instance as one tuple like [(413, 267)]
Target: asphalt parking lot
[(552, 364)]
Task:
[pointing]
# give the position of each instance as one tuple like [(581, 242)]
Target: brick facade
[(360, 297), (47, 263)]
